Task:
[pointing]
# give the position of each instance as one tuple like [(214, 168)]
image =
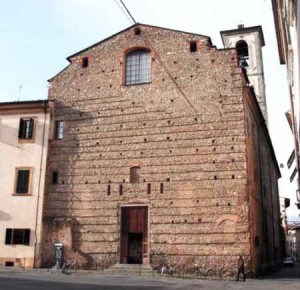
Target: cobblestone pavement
[(287, 278)]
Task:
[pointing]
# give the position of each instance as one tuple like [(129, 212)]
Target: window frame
[(59, 130), (22, 131), (10, 236), (130, 52), (16, 181)]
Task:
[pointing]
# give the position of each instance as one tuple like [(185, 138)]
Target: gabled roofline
[(245, 30), (128, 28), (49, 80)]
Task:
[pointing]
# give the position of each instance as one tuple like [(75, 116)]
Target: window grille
[(59, 130), (138, 67)]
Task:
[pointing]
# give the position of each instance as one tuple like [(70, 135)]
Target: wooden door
[(134, 233)]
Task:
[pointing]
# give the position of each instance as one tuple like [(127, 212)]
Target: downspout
[(39, 188), (296, 144), (272, 208)]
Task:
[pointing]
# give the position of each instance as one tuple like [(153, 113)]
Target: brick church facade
[(164, 156)]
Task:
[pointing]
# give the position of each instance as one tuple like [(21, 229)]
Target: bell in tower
[(248, 42)]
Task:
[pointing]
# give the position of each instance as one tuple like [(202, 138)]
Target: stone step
[(130, 269)]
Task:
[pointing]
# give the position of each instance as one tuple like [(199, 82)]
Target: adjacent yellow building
[(24, 135)]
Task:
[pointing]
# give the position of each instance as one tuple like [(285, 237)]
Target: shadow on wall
[(4, 216), (64, 218), (60, 223), (9, 136)]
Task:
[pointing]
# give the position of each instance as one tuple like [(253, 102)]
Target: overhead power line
[(124, 12), (128, 11), (157, 56), (168, 72)]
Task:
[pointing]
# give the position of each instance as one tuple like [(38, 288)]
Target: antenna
[(20, 91)]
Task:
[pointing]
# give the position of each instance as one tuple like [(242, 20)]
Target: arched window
[(134, 174), (243, 54), (138, 67)]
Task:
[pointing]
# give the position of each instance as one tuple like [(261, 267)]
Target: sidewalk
[(285, 279)]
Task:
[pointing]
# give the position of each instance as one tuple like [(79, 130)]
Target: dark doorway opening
[(135, 248)]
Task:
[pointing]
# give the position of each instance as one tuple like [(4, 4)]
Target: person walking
[(241, 268)]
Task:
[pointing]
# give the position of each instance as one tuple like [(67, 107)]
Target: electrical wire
[(158, 57), (124, 12), (128, 11)]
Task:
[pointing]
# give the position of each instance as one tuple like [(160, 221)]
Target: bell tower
[(248, 42)]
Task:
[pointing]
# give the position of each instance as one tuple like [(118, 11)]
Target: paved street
[(287, 278)]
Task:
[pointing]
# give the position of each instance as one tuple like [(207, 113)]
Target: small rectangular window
[(193, 46), (26, 127), (134, 175), (59, 130), (85, 62), (161, 188), (17, 237), (22, 181), (149, 188), (55, 177)]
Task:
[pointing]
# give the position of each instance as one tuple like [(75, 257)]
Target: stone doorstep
[(126, 269), (131, 266)]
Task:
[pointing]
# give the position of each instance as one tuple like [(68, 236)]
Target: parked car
[(288, 261)]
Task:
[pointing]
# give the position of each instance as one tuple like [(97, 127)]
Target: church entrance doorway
[(134, 234)]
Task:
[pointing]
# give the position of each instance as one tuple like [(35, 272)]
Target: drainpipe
[(296, 145), (39, 188)]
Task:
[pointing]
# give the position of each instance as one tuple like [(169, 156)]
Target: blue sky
[(37, 37)]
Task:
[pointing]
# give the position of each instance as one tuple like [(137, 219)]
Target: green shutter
[(23, 181), (21, 129)]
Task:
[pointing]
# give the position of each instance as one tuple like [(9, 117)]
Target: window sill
[(26, 140), (14, 245), (137, 84), (21, 194)]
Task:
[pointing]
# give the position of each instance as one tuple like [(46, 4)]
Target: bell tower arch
[(248, 42)]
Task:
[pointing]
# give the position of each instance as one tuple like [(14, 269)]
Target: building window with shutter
[(138, 67), (17, 237), (23, 181), (59, 130), (26, 129)]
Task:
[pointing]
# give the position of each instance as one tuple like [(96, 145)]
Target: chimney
[(240, 26)]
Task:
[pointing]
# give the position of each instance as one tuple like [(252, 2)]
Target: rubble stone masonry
[(195, 155)]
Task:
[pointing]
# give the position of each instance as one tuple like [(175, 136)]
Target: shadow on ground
[(286, 272)]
